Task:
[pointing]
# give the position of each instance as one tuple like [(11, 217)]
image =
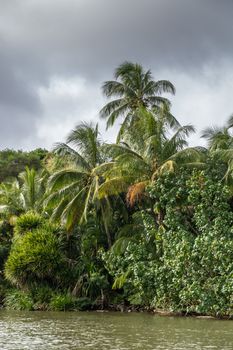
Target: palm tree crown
[(220, 145), (133, 87), (73, 190), (219, 138), (147, 150)]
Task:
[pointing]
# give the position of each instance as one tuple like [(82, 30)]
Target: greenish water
[(115, 331)]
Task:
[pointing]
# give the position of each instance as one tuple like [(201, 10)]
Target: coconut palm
[(146, 152), (73, 190), (220, 145), (219, 138), (132, 88)]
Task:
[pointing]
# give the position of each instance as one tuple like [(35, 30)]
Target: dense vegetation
[(12, 163), (146, 222)]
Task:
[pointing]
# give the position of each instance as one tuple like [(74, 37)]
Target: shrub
[(189, 267), (3, 255), (61, 302), (36, 257), (65, 302), (28, 222), (83, 304), (18, 300), (41, 295)]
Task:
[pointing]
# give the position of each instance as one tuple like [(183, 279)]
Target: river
[(115, 331)]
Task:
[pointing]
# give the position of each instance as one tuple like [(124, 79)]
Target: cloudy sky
[(55, 54)]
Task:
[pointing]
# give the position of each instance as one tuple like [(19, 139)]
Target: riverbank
[(162, 313), (84, 305)]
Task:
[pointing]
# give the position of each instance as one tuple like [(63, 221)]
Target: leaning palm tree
[(73, 190), (145, 153), (132, 88)]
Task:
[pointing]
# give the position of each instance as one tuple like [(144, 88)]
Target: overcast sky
[(55, 54)]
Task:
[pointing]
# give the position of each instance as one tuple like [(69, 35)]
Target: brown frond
[(135, 193)]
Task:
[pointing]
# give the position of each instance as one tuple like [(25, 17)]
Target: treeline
[(145, 222), (12, 162)]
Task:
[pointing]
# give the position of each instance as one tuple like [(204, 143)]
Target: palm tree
[(11, 203), (73, 190), (219, 138), (33, 189), (145, 153), (133, 87), (23, 194), (220, 145)]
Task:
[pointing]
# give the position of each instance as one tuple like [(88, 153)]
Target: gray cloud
[(185, 41)]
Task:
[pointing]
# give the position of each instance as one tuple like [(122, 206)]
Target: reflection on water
[(115, 331)]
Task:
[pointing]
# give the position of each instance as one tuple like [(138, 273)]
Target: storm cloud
[(54, 56)]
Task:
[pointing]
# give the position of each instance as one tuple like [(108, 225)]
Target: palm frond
[(114, 186), (73, 212), (110, 107), (188, 155), (229, 124), (64, 177), (63, 149), (121, 110), (136, 192), (113, 88), (56, 196), (161, 86), (85, 137)]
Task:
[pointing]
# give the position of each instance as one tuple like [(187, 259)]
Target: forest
[(145, 223)]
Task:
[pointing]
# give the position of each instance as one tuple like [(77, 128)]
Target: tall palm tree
[(132, 88), (73, 190), (146, 152)]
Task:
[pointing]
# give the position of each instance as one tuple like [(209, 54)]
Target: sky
[(55, 55)]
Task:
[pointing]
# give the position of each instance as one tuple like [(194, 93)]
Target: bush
[(18, 300), (83, 304), (4, 287), (36, 257), (189, 266), (28, 222), (3, 255), (5, 242), (61, 302), (41, 296), (65, 302)]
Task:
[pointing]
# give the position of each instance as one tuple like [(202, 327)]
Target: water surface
[(115, 331)]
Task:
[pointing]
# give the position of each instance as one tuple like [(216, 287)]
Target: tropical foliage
[(12, 162), (145, 222)]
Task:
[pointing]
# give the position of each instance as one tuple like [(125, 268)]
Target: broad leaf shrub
[(189, 265)]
